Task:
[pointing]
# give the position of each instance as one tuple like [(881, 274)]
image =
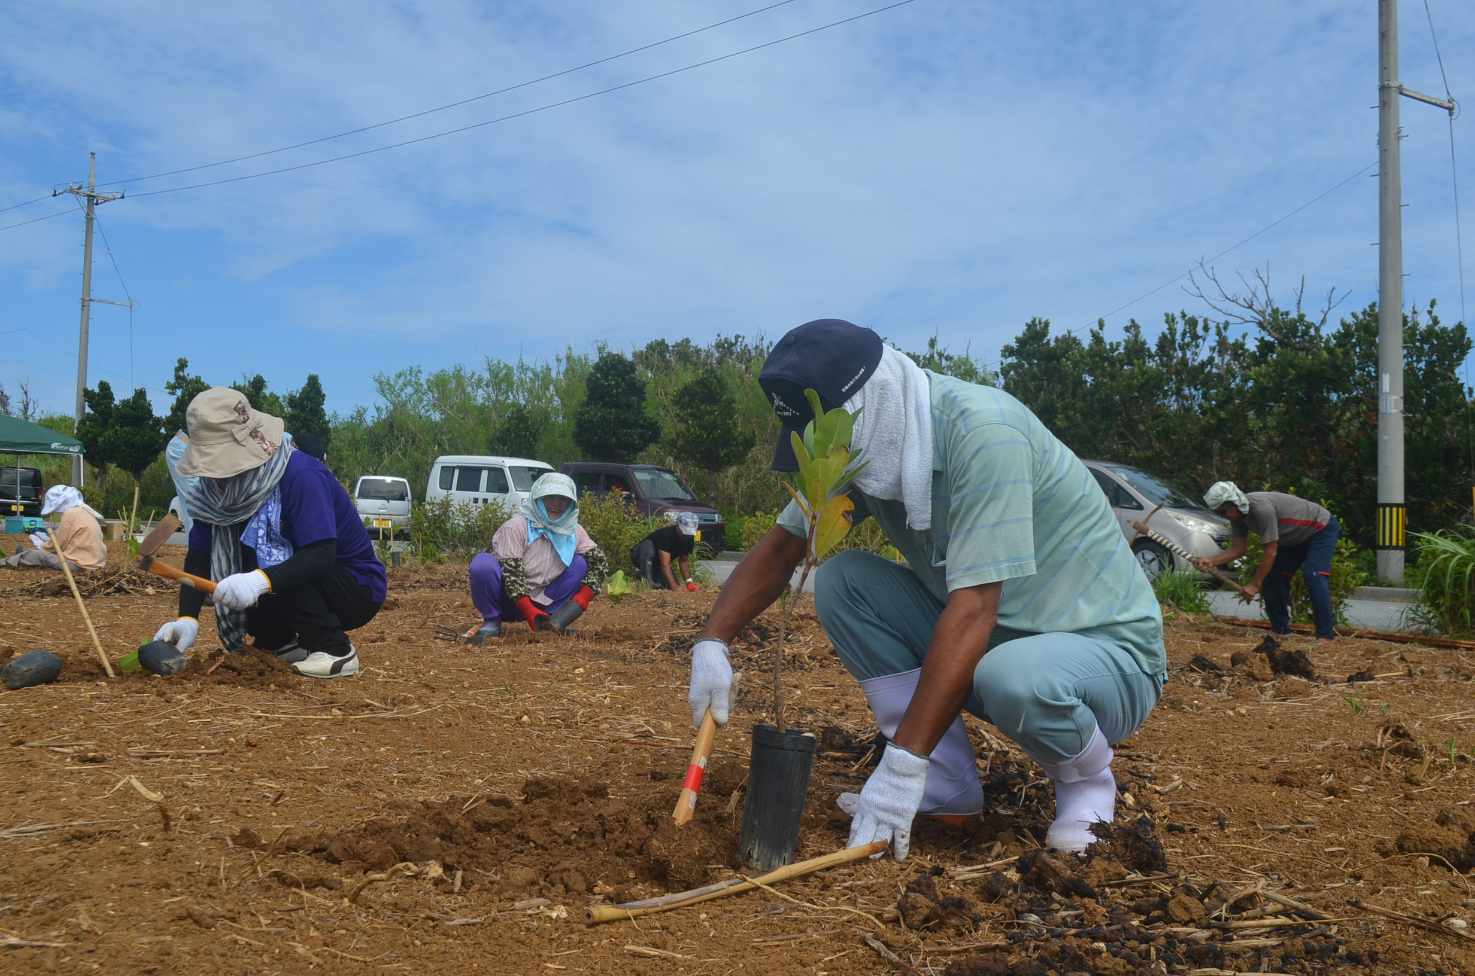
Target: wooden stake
[(596, 914), (67, 569)]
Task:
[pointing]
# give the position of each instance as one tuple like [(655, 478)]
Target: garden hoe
[(151, 544), (1161, 540)]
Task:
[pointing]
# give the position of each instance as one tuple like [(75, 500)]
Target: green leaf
[(814, 405), (129, 662), (799, 500), (617, 588), (833, 525), (824, 432), (802, 454)]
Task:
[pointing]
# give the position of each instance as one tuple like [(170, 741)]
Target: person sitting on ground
[(293, 564), (1295, 534), (656, 551), (542, 565), (77, 533), (1021, 601)]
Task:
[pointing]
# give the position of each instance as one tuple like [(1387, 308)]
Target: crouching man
[(673, 543), (1020, 600), (294, 566), (542, 565)]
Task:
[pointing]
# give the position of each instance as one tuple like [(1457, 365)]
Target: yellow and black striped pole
[(1392, 522)]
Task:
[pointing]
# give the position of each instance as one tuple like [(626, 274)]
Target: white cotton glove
[(711, 681), (886, 805), (241, 590), (40, 541), (181, 633)]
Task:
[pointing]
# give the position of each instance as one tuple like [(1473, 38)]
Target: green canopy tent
[(23, 437)]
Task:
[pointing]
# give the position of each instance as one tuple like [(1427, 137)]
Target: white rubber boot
[(953, 789), (1085, 793)]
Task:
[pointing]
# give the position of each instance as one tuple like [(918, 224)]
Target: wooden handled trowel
[(151, 544)]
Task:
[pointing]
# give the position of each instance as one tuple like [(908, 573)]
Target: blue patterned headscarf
[(560, 531)]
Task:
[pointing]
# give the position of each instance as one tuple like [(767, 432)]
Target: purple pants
[(492, 600)]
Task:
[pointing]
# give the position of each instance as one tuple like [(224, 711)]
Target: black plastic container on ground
[(161, 657), (778, 782), (36, 668)]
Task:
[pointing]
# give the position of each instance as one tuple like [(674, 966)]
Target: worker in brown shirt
[(77, 534)]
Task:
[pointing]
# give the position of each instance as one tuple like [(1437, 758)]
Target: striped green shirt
[(1010, 502)]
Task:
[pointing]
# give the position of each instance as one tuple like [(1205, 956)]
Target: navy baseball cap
[(833, 358)]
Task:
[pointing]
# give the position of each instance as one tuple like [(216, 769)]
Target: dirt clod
[(1047, 873), (1134, 844), (1185, 910)]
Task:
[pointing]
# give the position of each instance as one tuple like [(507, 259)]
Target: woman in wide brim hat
[(293, 564), (542, 566)]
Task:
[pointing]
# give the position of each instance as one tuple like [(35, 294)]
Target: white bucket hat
[(687, 523), (1223, 493), (226, 436)]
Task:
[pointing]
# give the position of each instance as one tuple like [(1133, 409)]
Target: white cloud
[(948, 166)]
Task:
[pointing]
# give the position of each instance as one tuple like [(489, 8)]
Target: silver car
[(1133, 493)]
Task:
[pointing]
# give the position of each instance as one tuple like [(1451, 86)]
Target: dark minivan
[(654, 490), (29, 495)]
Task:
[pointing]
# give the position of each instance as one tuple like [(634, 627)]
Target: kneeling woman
[(293, 563), (542, 565)]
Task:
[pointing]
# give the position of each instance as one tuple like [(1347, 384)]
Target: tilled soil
[(500, 790)]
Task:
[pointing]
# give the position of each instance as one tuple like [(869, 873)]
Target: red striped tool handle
[(686, 805)]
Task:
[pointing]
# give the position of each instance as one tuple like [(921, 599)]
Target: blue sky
[(949, 166)]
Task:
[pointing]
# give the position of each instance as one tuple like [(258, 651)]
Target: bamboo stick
[(596, 914), (86, 617)]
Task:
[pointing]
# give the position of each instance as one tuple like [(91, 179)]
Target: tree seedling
[(617, 588), (826, 466)]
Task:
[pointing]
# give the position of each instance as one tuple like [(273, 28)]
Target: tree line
[(1267, 396)]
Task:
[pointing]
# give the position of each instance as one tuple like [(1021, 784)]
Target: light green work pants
[(1047, 692)]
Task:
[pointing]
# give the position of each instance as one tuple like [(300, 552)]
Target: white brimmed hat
[(226, 436)]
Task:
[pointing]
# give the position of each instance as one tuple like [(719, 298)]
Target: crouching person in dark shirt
[(293, 564), (654, 554)]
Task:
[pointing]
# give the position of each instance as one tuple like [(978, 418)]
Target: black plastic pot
[(161, 657), (36, 668), (778, 781)]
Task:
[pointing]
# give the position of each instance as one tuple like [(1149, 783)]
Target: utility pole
[(1391, 512), (93, 198)]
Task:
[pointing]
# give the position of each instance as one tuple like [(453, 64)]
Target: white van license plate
[(383, 523)]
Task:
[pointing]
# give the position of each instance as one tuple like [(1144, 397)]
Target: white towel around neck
[(894, 433)]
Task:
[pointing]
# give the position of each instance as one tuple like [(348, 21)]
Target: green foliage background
[(1280, 401)]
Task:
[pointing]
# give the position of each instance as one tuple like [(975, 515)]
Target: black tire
[(36, 668), (1153, 558)]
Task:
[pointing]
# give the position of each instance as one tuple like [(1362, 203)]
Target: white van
[(382, 501), (475, 479)]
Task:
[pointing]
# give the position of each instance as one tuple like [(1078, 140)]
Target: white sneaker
[(291, 652), (320, 664)]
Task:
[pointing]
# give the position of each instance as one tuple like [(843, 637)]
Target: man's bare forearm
[(958, 644), (1267, 561), (754, 584)]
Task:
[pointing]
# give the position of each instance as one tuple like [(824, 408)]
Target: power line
[(464, 101), (35, 220), (534, 111), (17, 206), (131, 303), (1454, 178), (1216, 257)]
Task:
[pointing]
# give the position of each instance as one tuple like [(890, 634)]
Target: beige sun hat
[(226, 436)]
